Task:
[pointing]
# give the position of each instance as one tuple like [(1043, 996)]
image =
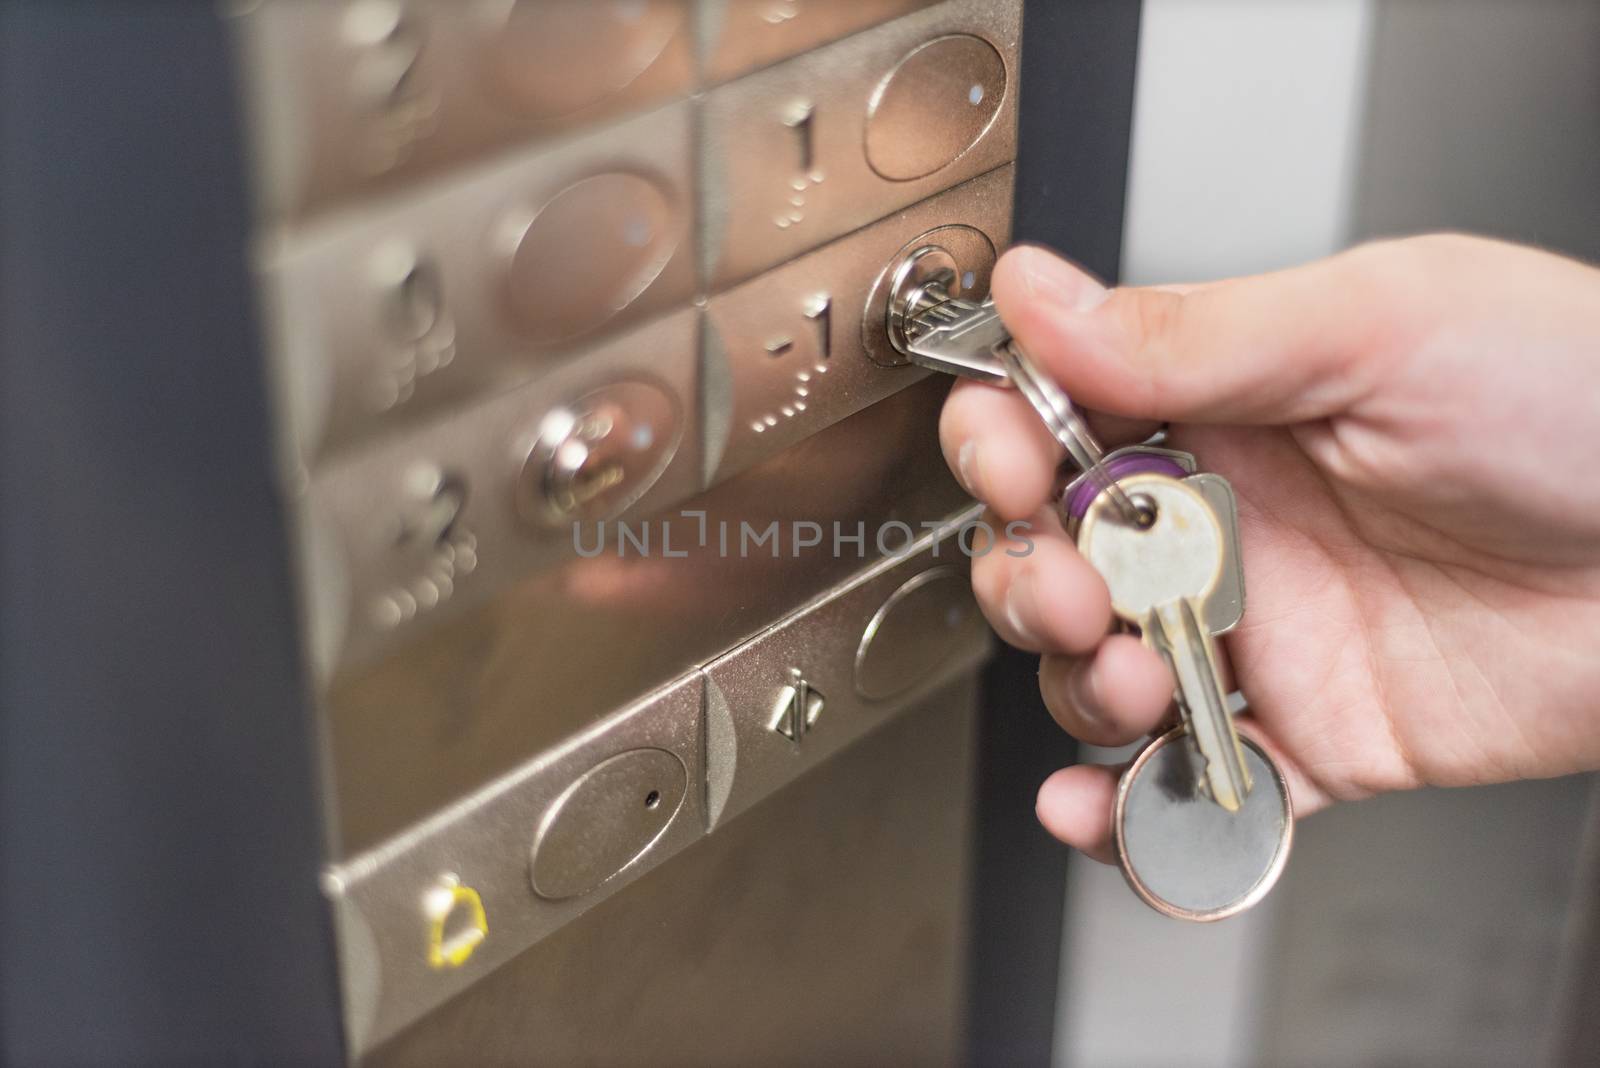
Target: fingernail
[(1021, 608), (967, 468), (1051, 278)]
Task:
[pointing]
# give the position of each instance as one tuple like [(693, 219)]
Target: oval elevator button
[(605, 821), (923, 625), (588, 253), (548, 61), (936, 103)]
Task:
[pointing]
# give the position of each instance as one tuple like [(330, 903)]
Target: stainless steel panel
[(748, 754), (783, 154), (389, 315), (385, 902), (731, 955), (387, 565), (741, 35), (784, 352), (386, 92), (440, 712), (513, 330), (528, 853)]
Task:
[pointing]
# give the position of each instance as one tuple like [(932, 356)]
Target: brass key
[(1161, 576)]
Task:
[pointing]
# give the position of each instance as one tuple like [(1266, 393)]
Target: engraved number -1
[(820, 311), (799, 120)]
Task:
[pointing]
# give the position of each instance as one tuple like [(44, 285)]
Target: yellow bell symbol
[(457, 923)]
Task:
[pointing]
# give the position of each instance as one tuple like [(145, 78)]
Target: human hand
[(1412, 429)]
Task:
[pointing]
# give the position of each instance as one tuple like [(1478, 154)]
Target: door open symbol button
[(797, 708)]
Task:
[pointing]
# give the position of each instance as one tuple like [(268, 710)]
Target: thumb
[(1274, 348)]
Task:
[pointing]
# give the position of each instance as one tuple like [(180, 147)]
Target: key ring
[(1067, 427)]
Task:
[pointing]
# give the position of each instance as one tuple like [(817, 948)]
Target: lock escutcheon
[(957, 258)]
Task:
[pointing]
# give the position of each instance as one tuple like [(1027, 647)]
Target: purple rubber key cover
[(1134, 463)]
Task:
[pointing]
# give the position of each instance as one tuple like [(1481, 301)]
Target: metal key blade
[(960, 338), (1161, 578), (1174, 629)]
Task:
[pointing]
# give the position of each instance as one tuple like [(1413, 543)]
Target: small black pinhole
[(652, 799)]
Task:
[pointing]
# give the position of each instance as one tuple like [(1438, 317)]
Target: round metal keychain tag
[(1187, 856)]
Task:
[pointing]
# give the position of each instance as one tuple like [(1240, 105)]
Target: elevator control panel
[(590, 429)]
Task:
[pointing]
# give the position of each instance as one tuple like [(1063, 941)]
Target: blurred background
[(1441, 927)]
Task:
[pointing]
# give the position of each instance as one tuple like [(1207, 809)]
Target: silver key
[(1160, 577), (967, 339)]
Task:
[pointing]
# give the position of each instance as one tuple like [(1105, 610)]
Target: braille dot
[(386, 613)]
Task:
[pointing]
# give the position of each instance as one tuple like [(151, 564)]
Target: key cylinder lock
[(594, 458), (951, 261)]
